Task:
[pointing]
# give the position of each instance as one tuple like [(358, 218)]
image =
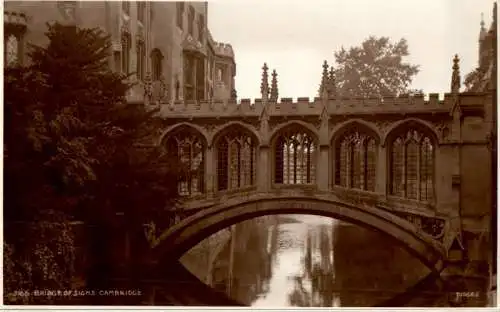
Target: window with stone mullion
[(233, 165), (289, 162), (185, 159), (341, 160), (222, 168), (245, 164), (426, 170), (295, 158), (308, 163), (397, 168), (370, 165), (411, 166), (198, 172), (126, 45), (141, 58)]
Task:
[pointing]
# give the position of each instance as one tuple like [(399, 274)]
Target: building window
[(117, 61), (11, 50), (191, 20), (412, 166), (13, 44), (157, 63), (126, 7), (201, 28), (355, 167), (189, 81), (177, 89), (180, 14), (236, 152), (194, 77), (295, 154), (126, 46), (187, 148), (141, 59), (141, 10)]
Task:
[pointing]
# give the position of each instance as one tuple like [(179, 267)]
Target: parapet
[(304, 106), (15, 18), (223, 49)]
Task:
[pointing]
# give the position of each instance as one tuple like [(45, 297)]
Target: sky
[(295, 37)]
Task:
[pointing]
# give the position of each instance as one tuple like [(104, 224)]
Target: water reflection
[(304, 261)]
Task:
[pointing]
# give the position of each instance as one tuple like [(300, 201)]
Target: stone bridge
[(399, 165)]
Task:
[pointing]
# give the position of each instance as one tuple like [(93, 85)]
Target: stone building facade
[(167, 43)]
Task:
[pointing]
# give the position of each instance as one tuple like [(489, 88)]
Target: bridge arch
[(176, 241)]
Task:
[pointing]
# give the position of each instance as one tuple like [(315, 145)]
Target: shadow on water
[(310, 261)]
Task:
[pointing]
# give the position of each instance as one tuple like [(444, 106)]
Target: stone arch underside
[(176, 241)]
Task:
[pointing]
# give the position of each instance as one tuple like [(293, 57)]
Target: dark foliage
[(75, 151)]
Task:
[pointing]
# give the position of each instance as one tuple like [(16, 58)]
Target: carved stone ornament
[(432, 226), (125, 29), (67, 10), (442, 129), (383, 125), (150, 232), (210, 128)]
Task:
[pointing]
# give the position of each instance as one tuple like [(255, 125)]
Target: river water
[(309, 261)]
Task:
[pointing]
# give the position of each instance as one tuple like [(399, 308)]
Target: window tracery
[(356, 155), (187, 147), (295, 162), (236, 156), (412, 166), (157, 64)]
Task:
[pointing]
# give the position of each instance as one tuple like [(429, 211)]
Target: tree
[(374, 69), (74, 150), (473, 80)]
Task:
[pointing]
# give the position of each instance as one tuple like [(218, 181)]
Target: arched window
[(126, 45), (11, 50), (356, 159), (412, 166), (236, 153), (141, 59), (187, 148), (180, 14), (126, 7), (295, 157), (157, 63)]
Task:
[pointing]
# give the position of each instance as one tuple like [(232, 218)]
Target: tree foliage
[(74, 150), (374, 69), (473, 80)]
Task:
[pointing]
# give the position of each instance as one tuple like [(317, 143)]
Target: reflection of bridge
[(414, 169)]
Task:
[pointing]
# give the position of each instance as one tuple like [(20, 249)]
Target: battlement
[(223, 49), (15, 18), (304, 106)]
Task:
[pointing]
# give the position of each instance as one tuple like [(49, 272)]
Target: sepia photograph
[(250, 153)]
